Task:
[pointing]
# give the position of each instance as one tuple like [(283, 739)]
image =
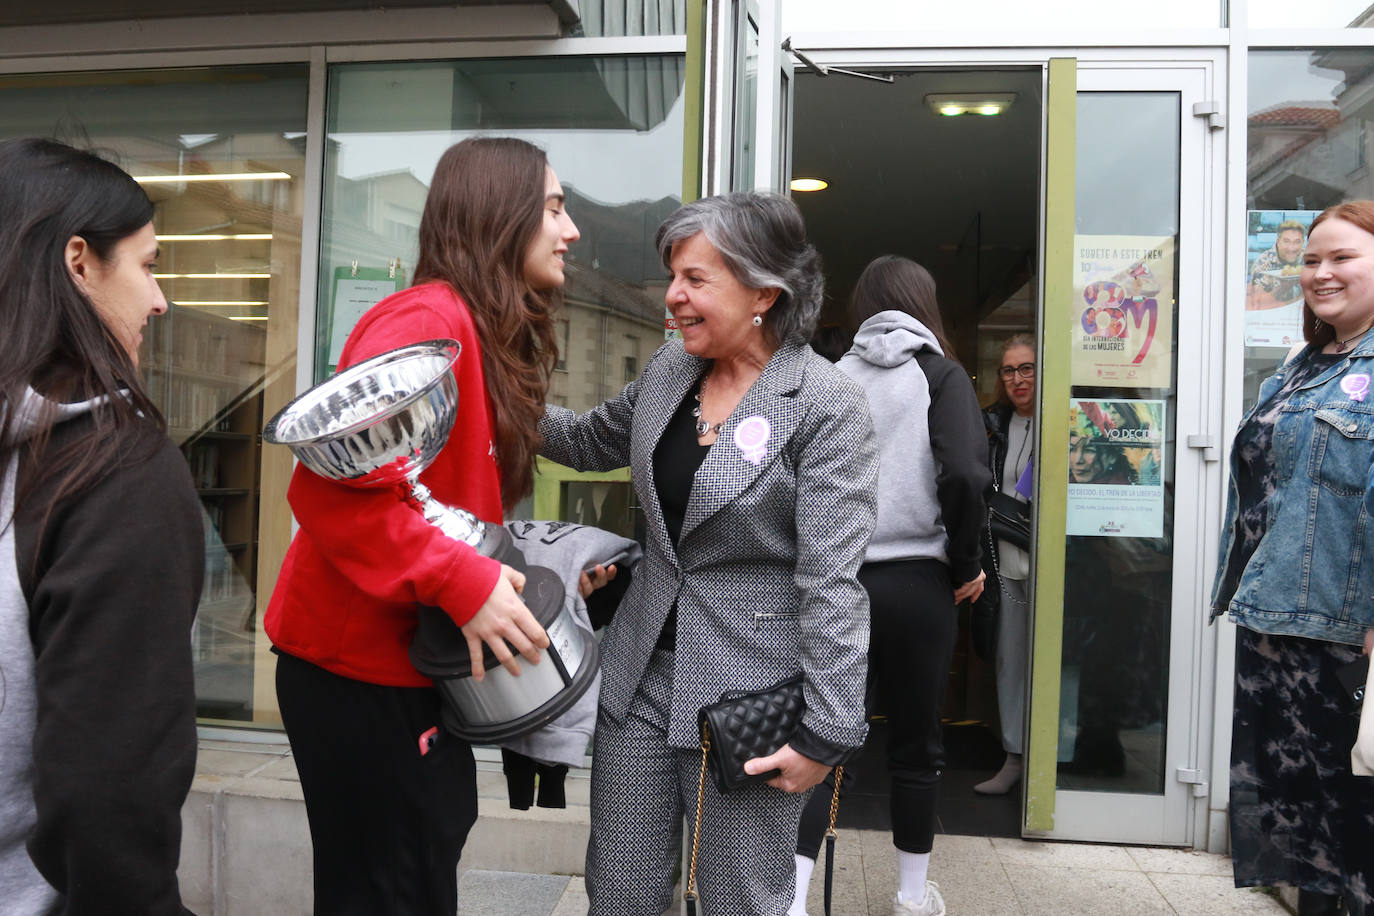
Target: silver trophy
[(380, 423)]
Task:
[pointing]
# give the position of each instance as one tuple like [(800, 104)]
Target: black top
[(677, 457), (676, 460)]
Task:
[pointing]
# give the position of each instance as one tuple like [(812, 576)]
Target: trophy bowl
[(377, 423)]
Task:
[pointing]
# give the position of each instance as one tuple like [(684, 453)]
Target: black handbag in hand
[(743, 725), (737, 728), (1009, 519)]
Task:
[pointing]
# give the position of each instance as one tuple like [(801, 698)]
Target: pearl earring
[(758, 321)]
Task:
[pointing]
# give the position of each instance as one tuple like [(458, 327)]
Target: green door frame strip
[(548, 486), (694, 101), (1052, 451)]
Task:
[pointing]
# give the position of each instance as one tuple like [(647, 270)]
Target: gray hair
[(762, 239)]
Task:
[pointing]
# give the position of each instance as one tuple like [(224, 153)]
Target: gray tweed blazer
[(764, 575)]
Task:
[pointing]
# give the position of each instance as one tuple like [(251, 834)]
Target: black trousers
[(387, 823), (914, 625)]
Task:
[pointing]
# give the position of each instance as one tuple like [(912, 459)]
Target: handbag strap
[(830, 837), (996, 566), (689, 896)]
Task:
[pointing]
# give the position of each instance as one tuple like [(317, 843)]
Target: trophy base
[(503, 706)]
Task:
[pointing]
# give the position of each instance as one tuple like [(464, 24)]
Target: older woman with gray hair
[(755, 464)]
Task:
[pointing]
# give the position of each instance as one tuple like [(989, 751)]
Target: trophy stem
[(459, 524)]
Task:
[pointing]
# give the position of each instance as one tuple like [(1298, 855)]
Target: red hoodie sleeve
[(375, 540)]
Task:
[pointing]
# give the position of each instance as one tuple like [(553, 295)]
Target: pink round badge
[(1356, 385), (751, 438)]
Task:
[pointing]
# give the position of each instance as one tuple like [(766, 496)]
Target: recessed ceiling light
[(953, 104), (809, 184), (208, 176)]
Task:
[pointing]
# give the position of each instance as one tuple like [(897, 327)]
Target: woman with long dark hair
[(925, 555), (390, 809), (100, 520)]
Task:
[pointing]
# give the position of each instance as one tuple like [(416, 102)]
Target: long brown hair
[(484, 209), (892, 282), (999, 387), (1357, 213)]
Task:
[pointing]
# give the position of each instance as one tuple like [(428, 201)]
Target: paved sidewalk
[(246, 850), (979, 876)]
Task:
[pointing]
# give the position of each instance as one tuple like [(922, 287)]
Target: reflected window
[(1329, 14), (1306, 139), (746, 102), (613, 131), (631, 18), (612, 128), (221, 152)]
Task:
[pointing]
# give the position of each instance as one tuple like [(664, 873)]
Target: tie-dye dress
[(1299, 817)]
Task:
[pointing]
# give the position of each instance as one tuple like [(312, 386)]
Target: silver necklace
[(704, 429)]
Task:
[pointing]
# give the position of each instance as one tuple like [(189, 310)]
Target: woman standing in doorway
[(1295, 577), (389, 810), (924, 557), (1011, 438)]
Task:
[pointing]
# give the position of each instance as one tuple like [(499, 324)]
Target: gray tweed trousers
[(641, 789)]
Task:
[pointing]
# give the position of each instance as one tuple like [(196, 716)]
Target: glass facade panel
[(1324, 14), (612, 127), (1118, 567), (746, 106), (221, 152), (1307, 142), (631, 18), (1063, 15)]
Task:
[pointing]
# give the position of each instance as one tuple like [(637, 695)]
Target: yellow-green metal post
[(1052, 456), (694, 100)]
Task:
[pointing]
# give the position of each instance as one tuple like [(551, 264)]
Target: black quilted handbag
[(748, 724), (740, 726)]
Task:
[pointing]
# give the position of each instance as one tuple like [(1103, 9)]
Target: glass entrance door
[(1119, 576), (1124, 291)]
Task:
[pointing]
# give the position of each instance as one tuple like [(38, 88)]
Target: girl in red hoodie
[(389, 812)]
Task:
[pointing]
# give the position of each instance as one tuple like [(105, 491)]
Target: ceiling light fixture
[(202, 303), (241, 237), (223, 176), (953, 104), (212, 276), (809, 184)]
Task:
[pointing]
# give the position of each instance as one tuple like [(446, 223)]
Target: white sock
[(804, 868), (912, 868)]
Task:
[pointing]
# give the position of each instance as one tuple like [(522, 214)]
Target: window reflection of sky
[(608, 165), (1284, 14), (1285, 77)]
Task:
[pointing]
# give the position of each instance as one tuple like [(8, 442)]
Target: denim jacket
[(1310, 575)]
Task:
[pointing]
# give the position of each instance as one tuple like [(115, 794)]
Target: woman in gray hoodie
[(925, 554)]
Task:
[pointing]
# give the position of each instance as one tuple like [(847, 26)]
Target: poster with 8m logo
[(1123, 311)]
